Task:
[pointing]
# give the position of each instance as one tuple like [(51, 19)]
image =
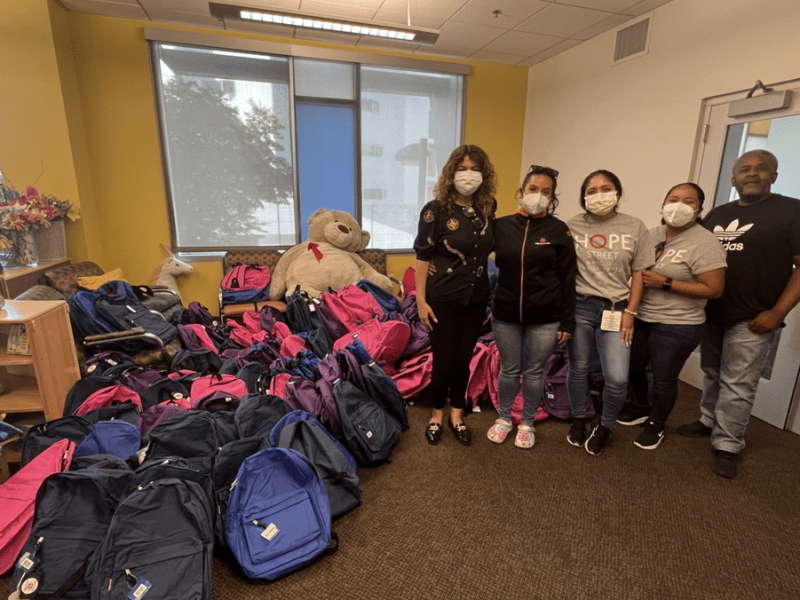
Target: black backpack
[(40, 437), (73, 512), (369, 431), (161, 538), (258, 414), (300, 431), (227, 461)]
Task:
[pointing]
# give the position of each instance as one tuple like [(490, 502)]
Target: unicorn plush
[(169, 270)]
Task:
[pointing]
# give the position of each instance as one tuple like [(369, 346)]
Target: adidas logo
[(729, 234)]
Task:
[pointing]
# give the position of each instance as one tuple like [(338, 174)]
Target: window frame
[(290, 51)]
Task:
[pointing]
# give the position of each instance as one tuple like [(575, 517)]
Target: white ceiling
[(524, 32)]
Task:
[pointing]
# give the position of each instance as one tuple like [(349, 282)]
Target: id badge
[(611, 321)]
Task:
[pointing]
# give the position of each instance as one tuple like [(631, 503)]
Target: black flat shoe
[(461, 432), (433, 433)]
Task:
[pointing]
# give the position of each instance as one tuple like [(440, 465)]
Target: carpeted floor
[(490, 521)]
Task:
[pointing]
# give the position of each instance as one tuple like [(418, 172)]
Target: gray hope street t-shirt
[(608, 252), (686, 255)]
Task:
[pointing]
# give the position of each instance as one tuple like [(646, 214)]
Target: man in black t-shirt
[(761, 233)]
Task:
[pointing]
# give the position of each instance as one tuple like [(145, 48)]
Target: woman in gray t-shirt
[(689, 270), (612, 254)]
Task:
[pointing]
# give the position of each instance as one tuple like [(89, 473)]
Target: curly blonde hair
[(445, 191)]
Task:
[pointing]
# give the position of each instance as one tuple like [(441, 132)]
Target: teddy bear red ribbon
[(314, 247)]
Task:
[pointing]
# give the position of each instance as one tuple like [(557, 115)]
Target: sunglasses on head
[(540, 170)]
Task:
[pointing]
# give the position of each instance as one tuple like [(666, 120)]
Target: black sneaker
[(634, 415), (695, 429), (577, 432), (650, 437), (725, 464), (597, 441)]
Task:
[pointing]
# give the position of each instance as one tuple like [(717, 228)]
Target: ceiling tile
[(521, 43), (424, 13), (613, 6), (512, 12), (122, 9), (557, 49), (562, 21), (603, 26), (496, 57), (529, 62), (467, 36), (644, 7), (438, 50), (352, 9)]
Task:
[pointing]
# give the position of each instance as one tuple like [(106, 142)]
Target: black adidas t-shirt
[(761, 240)]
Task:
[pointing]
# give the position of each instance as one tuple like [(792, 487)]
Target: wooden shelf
[(53, 363)]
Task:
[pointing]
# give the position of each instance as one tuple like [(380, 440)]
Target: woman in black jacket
[(534, 307)]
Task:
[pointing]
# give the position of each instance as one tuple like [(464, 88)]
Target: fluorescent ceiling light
[(304, 20)]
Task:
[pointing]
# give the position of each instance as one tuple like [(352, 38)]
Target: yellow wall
[(98, 68), (35, 134)]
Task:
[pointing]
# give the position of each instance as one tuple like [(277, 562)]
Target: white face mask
[(601, 204), (534, 204), (466, 182), (678, 214)]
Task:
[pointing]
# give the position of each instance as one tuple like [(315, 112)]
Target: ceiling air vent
[(632, 40)]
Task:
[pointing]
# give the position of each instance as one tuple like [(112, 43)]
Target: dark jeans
[(665, 348), (453, 341)]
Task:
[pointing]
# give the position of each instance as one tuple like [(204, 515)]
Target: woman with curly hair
[(455, 238)]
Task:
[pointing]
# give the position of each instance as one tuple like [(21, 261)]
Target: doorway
[(722, 139)]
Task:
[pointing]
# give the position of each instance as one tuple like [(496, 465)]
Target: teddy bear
[(327, 259)]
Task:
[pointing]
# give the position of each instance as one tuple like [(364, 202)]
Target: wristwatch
[(667, 285)]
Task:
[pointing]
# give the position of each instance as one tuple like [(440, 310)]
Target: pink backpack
[(292, 345), (18, 495), (113, 394), (414, 374), (352, 306), (217, 382), (277, 385), (245, 277), (479, 374), (384, 340), (516, 410)]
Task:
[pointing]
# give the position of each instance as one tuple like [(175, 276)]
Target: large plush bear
[(327, 259)]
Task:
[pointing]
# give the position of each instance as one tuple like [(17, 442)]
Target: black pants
[(453, 341)]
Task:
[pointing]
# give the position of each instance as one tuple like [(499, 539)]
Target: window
[(255, 142)]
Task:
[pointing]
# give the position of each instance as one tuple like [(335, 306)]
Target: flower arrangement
[(32, 209), (20, 214)]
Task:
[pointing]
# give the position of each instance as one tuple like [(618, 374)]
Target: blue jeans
[(732, 360), (614, 359), (524, 350), (665, 348)]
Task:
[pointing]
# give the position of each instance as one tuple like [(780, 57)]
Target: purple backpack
[(158, 414), (217, 401), (555, 399)]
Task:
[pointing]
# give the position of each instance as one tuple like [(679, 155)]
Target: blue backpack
[(387, 301), (279, 519), (300, 431)]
